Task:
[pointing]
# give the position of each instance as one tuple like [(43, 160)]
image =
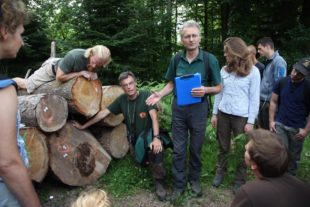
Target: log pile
[(76, 157)]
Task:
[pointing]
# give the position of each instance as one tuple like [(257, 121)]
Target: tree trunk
[(37, 151), (48, 112), (76, 157), (113, 140), (305, 14), (83, 96), (109, 94), (225, 19), (205, 25)]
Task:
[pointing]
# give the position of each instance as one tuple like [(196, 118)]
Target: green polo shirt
[(196, 66), (74, 61), (136, 112)]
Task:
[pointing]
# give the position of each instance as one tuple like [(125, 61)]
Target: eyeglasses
[(128, 84), (193, 36)]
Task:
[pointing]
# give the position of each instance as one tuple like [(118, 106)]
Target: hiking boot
[(175, 194), (160, 190), (196, 189), (236, 186), (218, 180)]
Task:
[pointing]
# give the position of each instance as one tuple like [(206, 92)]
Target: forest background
[(143, 34)]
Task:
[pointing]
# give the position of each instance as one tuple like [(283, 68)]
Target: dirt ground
[(212, 197)]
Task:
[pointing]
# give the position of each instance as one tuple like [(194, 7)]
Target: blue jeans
[(294, 146), (6, 198), (188, 120)]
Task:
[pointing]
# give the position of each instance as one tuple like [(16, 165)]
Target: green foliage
[(164, 105), (304, 165), (296, 42)]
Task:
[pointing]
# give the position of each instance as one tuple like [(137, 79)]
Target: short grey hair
[(189, 23), (125, 75)]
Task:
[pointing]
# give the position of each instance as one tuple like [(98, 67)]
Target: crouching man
[(139, 119)]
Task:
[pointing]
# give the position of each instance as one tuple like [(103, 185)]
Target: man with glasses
[(138, 118), (289, 112), (77, 62), (189, 119)]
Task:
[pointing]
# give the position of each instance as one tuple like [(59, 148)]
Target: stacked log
[(109, 94), (48, 112), (75, 156), (114, 140), (83, 96), (37, 151)]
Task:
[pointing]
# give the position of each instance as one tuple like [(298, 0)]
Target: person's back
[(268, 158), (284, 191)]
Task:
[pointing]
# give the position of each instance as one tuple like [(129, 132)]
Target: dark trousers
[(154, 162), (188, 120), (226, 126), (157, 165), (263, 115), (294, 146)]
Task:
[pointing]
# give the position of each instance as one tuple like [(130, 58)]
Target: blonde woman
[(92, 198), (77, 62), (236, 106)]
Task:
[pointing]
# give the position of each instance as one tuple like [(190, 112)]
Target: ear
[(253, 166), (3, 33)]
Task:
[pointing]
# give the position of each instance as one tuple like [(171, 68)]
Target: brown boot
[(160, 190)]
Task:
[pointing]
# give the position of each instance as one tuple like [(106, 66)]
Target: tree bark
[(48, 112), (113, 140), (76, 157), (37, 151), (109, 94), (82, 95)]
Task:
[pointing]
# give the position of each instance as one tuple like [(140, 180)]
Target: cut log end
[(87, 96), (76, 157), (112, 120), (38, 152), (109, 94), (52, 113), (114, 140)]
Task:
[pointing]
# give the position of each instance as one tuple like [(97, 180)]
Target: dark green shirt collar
[(199, 57)]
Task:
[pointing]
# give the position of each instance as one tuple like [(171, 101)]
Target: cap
[(303, 66)]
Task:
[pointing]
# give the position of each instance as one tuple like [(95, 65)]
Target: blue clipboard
[(184, 85)]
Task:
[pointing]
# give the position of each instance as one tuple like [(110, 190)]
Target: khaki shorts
[(43, 75)]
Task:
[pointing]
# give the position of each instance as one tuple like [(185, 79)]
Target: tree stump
[(37, 151), (83, 96), (76, 157), (109, 94), (114, 140), (48, 112)]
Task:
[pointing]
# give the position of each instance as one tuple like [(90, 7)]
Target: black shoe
[(218, 180), (160, 190), (196, 189), (175, 194)]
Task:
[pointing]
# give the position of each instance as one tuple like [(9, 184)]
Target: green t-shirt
[(74, 61), (136, 112), (196, 66)]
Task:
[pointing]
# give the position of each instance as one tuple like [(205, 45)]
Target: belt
[(54, 68), (55, 65)]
